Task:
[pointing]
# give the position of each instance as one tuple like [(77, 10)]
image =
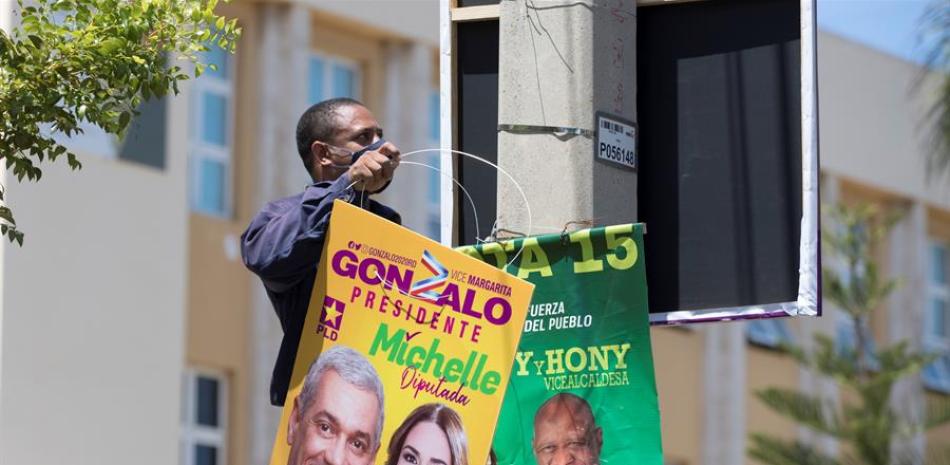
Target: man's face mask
[(359, 153)]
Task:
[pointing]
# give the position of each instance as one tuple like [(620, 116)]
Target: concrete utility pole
[(561, 61)]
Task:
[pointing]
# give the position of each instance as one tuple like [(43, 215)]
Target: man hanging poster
[(405, 353), (583, 389)]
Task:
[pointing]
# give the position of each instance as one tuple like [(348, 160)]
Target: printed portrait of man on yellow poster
[(405, 354)]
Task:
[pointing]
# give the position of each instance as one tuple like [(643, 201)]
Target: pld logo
[(331, 318), (426, 289)]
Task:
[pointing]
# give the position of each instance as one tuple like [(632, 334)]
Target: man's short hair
[(355, 369), (318, 123), (566, 399)]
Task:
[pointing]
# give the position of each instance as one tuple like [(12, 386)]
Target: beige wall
[(93, 313), (418, 19), (218, 319), (219, 314), (332, 36), (678, 358), (767, 368), (247, 111), (938, 438), (219, 287), (869, 111)]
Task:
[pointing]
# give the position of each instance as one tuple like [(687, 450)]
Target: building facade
[(291, 55), (92, 306), (128, 322)]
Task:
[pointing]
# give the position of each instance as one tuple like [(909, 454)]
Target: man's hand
[(374, 169)]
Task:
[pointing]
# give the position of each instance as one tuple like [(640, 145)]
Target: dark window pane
[(939, 309), (219, 58), (719, 107), (145, 140), (211, 186), (478, 125), (938, 259), (215, 118), (769, 333), (207, 403), (344, 81), (206, 455), (316, 80), (937, 375)]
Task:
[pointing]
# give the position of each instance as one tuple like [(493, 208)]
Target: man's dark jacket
[(282, 246)]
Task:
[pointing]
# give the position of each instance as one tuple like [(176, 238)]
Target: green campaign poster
[(582, 388)]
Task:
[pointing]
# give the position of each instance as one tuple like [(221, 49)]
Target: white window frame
[(933, 342), (198, 149), (193, 434), (329, 61)]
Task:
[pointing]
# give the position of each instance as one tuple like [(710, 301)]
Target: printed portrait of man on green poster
[(582, 389)]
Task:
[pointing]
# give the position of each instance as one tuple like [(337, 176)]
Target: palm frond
[(803, 408), (773, 451)]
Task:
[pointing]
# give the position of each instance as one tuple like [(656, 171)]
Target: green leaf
[(7, 215), (62, 5), (29, 24), (159, 88), (22, 141), (124, 119), (73, 162), (96, 65), (110, 45)]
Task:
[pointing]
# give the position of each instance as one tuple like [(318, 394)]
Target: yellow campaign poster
[(405, 353)]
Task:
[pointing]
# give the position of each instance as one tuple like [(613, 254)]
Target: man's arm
[(281, 245)]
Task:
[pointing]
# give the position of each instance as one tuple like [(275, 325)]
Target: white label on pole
[(616, 141)]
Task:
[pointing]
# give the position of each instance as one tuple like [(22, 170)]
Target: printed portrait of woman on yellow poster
[(405, 354)]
